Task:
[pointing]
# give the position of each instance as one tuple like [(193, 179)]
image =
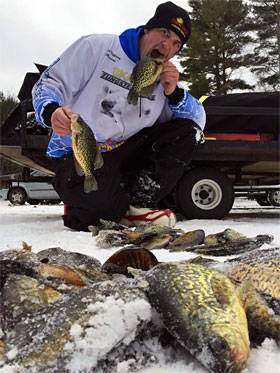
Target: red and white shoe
[(136, 216)]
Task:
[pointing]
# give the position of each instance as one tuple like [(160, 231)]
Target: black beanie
[(172, 17)]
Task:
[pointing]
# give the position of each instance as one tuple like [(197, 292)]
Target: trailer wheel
[(17, 196), (204, 193), (273, 197)]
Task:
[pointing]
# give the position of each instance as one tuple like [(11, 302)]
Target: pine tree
[(266, 22), (7, 103), (216, 47)]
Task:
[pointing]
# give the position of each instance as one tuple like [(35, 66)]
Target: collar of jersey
[(129, 42)]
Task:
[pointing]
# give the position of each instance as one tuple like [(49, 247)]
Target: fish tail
[(90, 184), (132, 97)]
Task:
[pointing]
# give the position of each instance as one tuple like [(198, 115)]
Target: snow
[(42, 227), (113, 321)]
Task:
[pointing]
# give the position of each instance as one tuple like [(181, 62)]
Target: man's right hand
[(60, 120)]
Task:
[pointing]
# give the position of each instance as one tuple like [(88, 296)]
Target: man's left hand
[(169, 77)]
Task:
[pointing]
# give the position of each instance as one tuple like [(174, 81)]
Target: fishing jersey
[(92, 79)]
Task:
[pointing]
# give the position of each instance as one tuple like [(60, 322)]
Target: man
[(151, 142)]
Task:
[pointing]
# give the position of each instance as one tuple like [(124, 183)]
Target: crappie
[(44, 267), (229, 247), (262, 268), (74, 329), (22, 295), (144, 77), (87, 155), (56, 255), (202, 309)]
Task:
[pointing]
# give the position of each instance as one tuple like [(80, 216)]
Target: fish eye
[(44, 260), (218, 345)]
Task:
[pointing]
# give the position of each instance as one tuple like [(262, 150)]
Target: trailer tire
[(17, 196), (273, 197), (204, 193)]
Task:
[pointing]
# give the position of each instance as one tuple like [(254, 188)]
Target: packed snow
[(41, 227)]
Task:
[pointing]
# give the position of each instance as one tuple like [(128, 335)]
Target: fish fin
[(90, 184), (79, 169), (131, 78), (245, 293), (26, 247), (217, 283), (98, 162), (132, 97), (148, 91)]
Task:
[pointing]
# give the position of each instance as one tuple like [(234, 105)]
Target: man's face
[(159, 42)]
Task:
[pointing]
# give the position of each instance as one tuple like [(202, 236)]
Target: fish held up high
[(144, 77), (87, 155)]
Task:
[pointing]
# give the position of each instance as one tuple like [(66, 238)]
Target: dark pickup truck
[(240, 156)]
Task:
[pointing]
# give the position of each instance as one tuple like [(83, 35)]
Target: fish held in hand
[(144, 77), (87, 155)]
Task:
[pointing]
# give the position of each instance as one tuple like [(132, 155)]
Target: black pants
[(166, 148)]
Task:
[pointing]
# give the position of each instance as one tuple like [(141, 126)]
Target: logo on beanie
[(178, 23)]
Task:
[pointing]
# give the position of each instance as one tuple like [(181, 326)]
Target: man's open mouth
[(155, 53)]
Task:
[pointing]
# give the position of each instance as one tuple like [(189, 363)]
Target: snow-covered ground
[(42, 227)]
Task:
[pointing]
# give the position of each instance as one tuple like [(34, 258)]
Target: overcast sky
[(40, 30)]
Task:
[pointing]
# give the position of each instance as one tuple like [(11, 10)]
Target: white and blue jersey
[(92, 79)]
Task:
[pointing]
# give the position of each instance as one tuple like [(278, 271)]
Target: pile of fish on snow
[(64, 311)]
